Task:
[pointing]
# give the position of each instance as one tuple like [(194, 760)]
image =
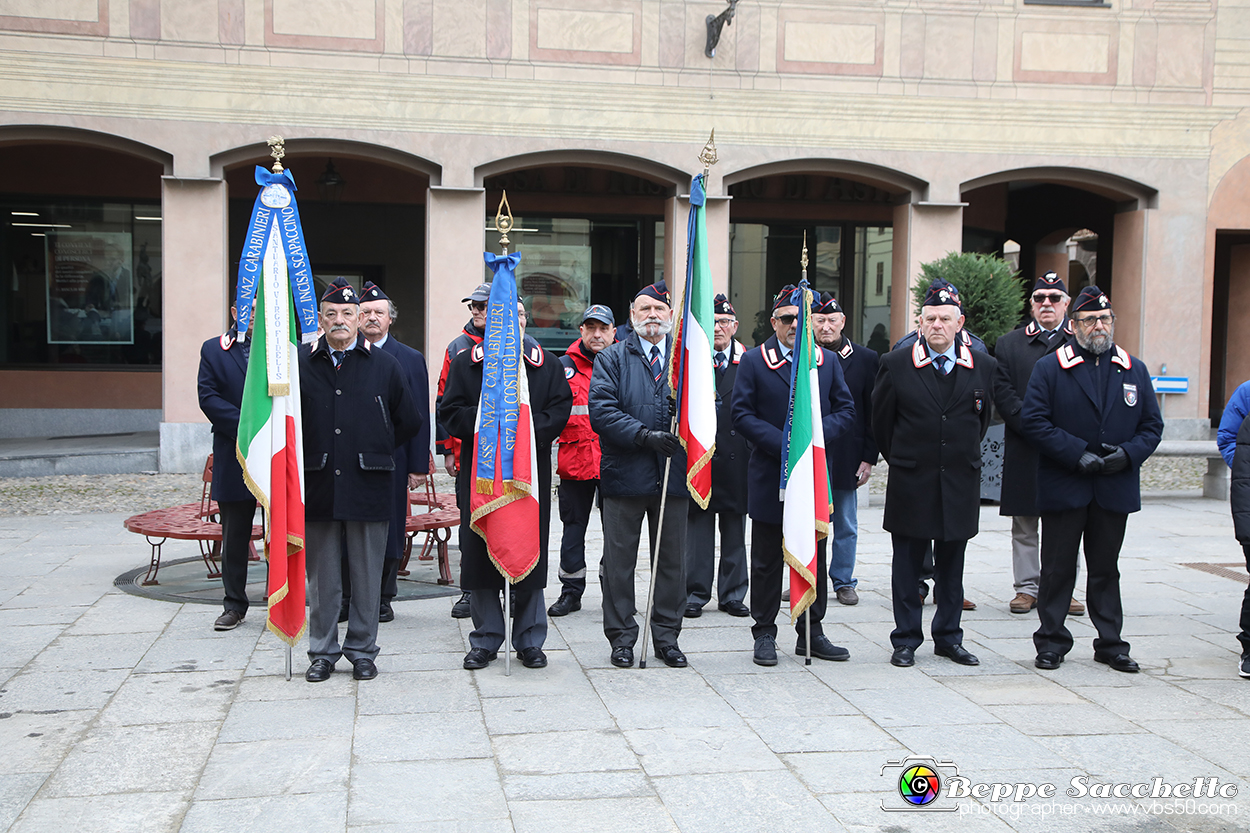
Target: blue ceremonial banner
[(499, 410), (275, 213)]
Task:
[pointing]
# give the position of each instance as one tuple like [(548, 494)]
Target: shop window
[(82, 282)]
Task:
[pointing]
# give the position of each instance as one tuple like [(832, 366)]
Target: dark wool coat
[(729, 460), (223, 369), (1062, 420), (859, 369), (412, 457), (1016, 353), (760, 406), (550, 403), (354, 417), (932, 441)]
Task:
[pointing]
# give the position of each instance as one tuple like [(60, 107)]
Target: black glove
[(1115, 460), (1090, 463), (659, 441), (672, 410)]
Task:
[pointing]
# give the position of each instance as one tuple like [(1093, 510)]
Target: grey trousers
[(529, 619), (1026, 556), (366, 549), (622, 530), (732, 577)]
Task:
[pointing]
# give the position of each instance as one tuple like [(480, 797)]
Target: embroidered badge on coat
[(979, 398), (569, 373), (1130, 395)]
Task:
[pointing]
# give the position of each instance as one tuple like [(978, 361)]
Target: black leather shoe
[(319, 671), (1048, 660), (385, 612), (460, 610), (822, 648), (343, 608), (623, 657), (903, 657), (672, 656), (566, 604), (957, 653), (363, 669), (734, 609), (765, 651), (1120, 662), (479, 658), (693, 611), (532, 658)]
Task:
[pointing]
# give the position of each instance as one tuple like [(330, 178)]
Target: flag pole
[(807, 614), (503, 224)]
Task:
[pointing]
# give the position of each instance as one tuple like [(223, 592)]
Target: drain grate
[(1235, 571)]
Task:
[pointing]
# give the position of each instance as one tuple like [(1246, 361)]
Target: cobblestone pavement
[(120, 713)]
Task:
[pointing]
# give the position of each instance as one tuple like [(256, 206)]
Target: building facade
[(1107, 141)]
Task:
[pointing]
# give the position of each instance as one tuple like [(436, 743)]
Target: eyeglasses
[(725, 323), (785, 320), (1090, 321), (477, 306), (1042, 297)]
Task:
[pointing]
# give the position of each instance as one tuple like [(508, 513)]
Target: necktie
[(655, 361), (338, 358), (941, 361), (720, 360)]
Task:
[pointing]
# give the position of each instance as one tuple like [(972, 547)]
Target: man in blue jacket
[(1090, 410), (761, 402), (630, 410), (223, 369)]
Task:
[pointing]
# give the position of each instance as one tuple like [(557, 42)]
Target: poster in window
[(554, 282), (90, 288)]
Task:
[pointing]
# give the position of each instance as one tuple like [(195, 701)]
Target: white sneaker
[(1243, 668)]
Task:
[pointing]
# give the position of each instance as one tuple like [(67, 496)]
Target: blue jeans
[(845, 535)]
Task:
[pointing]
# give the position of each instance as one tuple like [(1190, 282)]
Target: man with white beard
[(631, 411), (1090, 411)]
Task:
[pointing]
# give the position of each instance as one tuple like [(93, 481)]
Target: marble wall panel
[(566, 31), (196, 22), (346, 25), (949, 46), (459, 28), (829, 42), (1053, 52), (56, 17), (1180, 56)]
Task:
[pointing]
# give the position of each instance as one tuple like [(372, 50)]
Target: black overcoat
[(729, 460), (551, 401), (1016, 353), (412, 457), (932, 443), (1062, 420), (223, 369), (354, 417), (859, 369), (761, 401)]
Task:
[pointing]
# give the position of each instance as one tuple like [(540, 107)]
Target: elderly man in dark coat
[(1090, 410), (356, 409), (223, 369), (728, 503), (930, 411), (631, 411), (551, 401), (761, 404), (1016, 353)]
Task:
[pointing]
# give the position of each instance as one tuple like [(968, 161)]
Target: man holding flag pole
[(789, 399)]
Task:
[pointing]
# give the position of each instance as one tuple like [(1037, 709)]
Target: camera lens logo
[(919, 785)]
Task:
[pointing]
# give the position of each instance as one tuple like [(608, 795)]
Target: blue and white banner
[(499, 410), (276, 215)]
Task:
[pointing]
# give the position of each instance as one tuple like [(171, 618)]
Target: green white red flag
[(691, 372), (805, 493), (271, 443)]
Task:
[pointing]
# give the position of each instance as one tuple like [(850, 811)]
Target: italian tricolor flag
[(691, 375), (805, 482), (271, 442)]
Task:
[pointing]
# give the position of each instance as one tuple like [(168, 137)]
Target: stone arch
[(228, 159), (889, 179), (37, 134), (673, 179)]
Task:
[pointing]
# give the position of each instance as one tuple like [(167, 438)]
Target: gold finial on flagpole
[(277, 150), (803, 260), (708, 155), (504, 224)]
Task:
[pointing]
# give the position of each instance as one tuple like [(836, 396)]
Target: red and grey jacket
[(579, 454), (470, 337)]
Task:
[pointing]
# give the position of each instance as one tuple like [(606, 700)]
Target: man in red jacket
[(578, 459)]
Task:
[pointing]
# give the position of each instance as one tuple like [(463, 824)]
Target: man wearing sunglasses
[(1017, 352), (448, 445), (1090, 410)]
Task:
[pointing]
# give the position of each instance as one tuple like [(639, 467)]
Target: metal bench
[(187, 522), (1215, 481), (437, 522)]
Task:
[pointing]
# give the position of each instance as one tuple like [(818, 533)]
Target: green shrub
[(992, 295)]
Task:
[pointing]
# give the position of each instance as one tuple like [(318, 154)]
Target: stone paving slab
[(131, 714)]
